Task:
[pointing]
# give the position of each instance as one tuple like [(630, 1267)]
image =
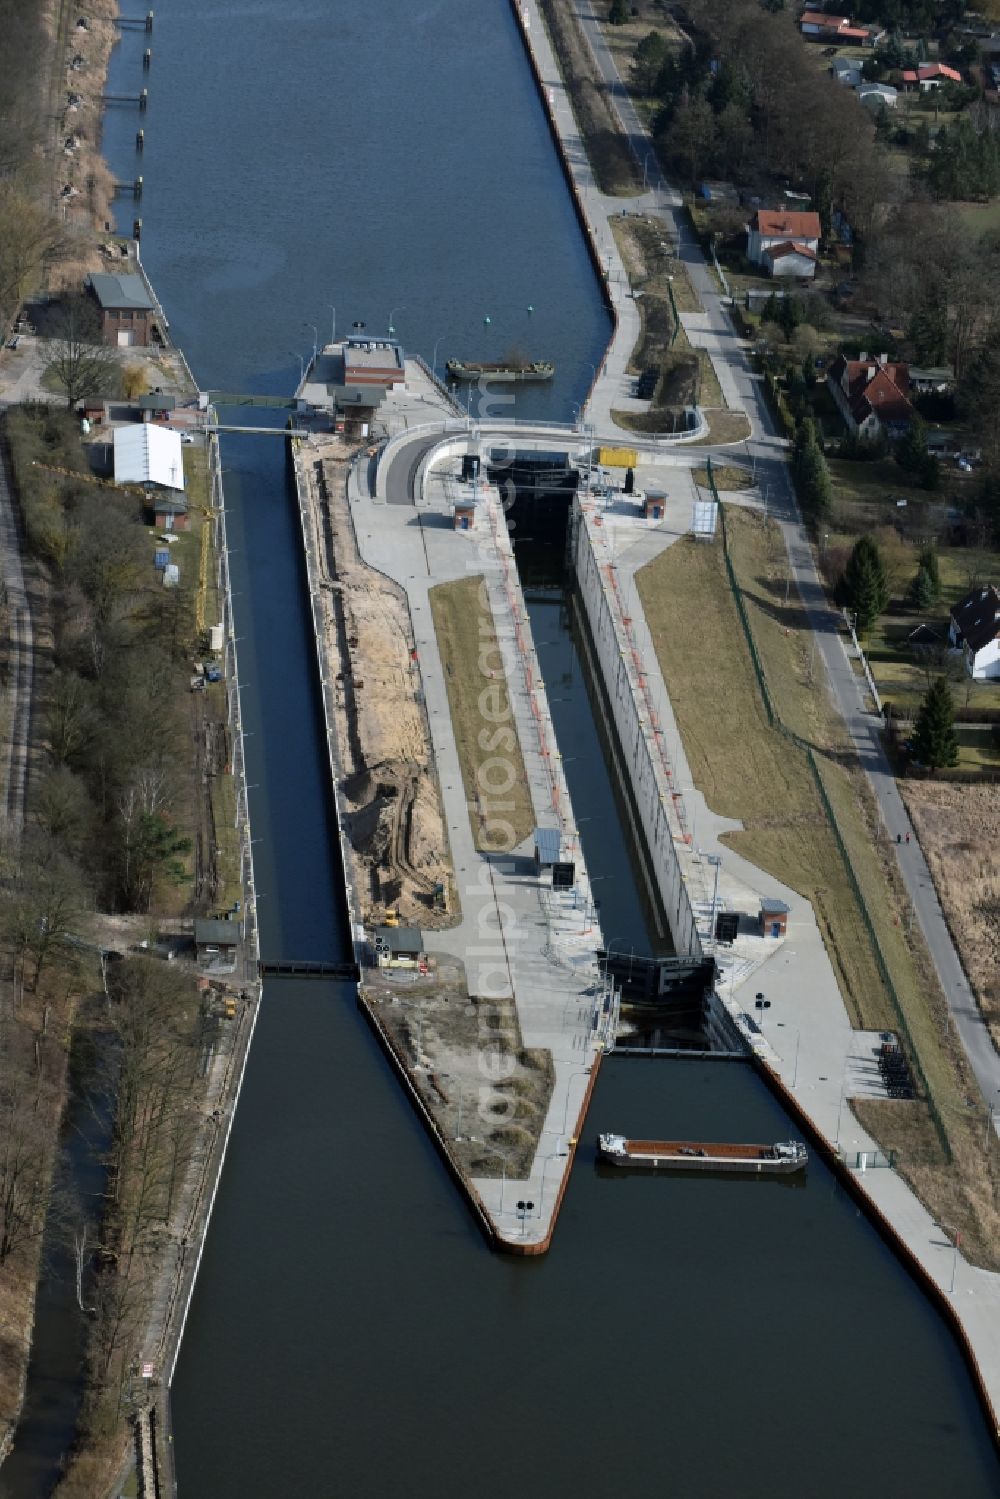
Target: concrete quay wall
[(641, 754)]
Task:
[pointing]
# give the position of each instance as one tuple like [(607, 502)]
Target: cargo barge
[(698, 1155), (462, 369)]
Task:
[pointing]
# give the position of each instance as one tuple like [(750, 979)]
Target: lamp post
[(716, 860), (524, 1207), (645, 170), (577, 1072), (503, 1164), (315, 339), (302, 364), (333, 322), (434, 360), (761, 1004), (392, 319)]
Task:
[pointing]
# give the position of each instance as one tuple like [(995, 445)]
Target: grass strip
[(496, 783)]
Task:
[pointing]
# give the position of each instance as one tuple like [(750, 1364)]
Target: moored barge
[(509, 370), (700, 1155)]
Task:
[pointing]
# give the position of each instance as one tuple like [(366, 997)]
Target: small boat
[(698, 1155), (468, 369)]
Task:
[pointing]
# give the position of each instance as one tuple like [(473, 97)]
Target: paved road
[(743, 388)]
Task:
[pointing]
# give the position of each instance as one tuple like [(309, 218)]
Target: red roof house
[(872, 395)]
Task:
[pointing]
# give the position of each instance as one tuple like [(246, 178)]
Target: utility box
[(618, 457)]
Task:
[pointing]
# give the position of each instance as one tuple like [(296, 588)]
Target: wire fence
[(775, 721)]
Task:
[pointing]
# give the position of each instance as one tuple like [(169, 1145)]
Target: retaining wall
[(640, 756)]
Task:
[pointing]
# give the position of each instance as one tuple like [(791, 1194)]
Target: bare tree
[(81, 364)]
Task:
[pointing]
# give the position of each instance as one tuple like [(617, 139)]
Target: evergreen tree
[(934, 740), (814, 487), (922, 590), (911, 451), (866, 586), (928, 561), (618, 15)]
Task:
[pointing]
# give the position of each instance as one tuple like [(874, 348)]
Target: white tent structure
[(148, 454)]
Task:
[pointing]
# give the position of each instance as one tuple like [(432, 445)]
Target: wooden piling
[(143, 100), (137, 190), (147, 58), (140, 140), (149, 20), (137, 230)]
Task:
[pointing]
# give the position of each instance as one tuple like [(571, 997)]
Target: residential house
[(817, 26), (789, 258), (784, 243), (876, 96), (847, 70), (127, 311), (975, 629), (929, 75), (872, 395)]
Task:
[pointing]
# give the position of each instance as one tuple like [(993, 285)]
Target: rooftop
[(777, 224), (977, 615), (147, 454), (372, 354), (216, 933), (121, 292), (401, 939)]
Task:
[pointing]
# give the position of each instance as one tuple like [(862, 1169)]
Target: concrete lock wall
[(640, 763)]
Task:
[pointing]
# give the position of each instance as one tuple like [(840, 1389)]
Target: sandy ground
[(394, 819), (959, 831)]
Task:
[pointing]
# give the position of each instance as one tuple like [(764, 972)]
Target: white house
[(847, 70), (789, 258), (148, 454), (975, 629), (877, 96), (784, 243)]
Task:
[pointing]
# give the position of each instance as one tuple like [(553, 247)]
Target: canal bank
[(342, 1275)]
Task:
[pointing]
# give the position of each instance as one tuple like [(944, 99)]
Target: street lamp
[(302, 364), (315, 339), (392, 318), (475, 1140), (333, 322), (437, 345), (760, 1005), (524, 1207)]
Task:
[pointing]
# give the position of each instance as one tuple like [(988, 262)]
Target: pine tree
[(922, 590), (813, 482), (934, 741), (911, 451), (928, 560), (865, 584)]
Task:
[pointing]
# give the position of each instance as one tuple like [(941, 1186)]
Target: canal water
[(350, 1332)]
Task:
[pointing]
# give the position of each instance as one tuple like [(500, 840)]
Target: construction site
[(391, 801)]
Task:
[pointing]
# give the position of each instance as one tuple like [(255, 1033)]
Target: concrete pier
[(518, 938)]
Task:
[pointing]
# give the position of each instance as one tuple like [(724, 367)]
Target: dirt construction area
[(959, 831), (486, 1091), (392, 804)]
